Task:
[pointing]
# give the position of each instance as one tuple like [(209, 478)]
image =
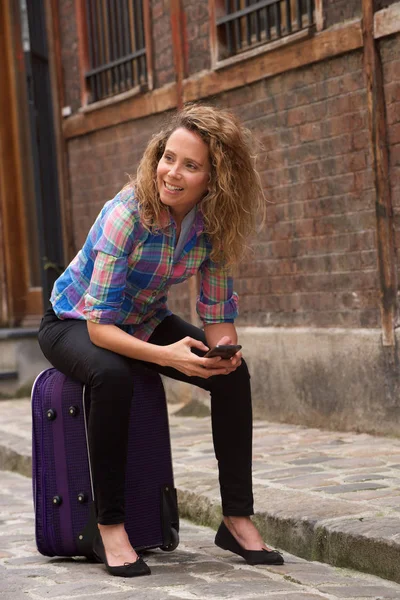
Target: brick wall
[(198, 35), (337, 11), (384, 3), (100, 164), (315, 261), (390, 53), (164, 71)]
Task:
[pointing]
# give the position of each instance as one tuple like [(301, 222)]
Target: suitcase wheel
[(173, 543)]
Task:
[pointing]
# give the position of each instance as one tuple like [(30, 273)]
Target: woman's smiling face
[(183, 172)]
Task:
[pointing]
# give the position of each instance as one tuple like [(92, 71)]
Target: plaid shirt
[(123, 273)]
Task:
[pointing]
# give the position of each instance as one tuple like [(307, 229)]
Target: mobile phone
[(224, 351)]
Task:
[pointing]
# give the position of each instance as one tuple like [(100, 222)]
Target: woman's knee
[(236, 379), (114, 374), (243, 369), (241, 373)]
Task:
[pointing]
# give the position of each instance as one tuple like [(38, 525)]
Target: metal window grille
[(250, 23), (116, 47)]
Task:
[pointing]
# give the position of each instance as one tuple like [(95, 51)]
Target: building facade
[(318, 83)]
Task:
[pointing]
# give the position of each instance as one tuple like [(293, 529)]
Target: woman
[(194, 200)]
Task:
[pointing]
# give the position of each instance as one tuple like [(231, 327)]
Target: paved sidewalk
[(327, 496), (197, 570)]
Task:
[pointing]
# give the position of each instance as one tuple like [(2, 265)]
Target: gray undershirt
[(185, 228)]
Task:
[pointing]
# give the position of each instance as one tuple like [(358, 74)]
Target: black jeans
[(67, 346)]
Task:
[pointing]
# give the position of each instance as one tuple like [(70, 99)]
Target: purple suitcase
[(65, 517)]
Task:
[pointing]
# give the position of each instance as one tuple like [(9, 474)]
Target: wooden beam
[(4, 299), (34, 302), (212, 16), (54, 35), (177, 48), (117, 112), (319, 15), (57, 92), (83, 54), (387, 21), (149, 43), (380, 154), (12, 172)]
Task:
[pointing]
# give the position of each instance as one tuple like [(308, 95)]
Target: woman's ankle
[(245, 532), (232, 520), (115, 538), (110, 529), (117, 545)]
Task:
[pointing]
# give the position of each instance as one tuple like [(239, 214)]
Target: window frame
[(84, 67), (214, 7)]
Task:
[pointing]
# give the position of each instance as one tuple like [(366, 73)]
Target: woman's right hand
[(180, 357)]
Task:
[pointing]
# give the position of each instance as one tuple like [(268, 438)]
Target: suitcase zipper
[(85, 420), (34, 450), (48, 533)]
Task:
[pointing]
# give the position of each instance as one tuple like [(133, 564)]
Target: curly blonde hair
[(235, 201)]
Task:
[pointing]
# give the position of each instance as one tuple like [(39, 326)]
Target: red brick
[(341, 144), (341, 105), (392, 71), (392, 114), (361, 140), (395, 180), (297, 116), (345, 123), (310, 131), (337, 11), (292, 210), (363, 180), (394, 134), (395, 155), (281, 231)]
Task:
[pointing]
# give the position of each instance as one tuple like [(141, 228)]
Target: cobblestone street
[(322, 495), (197, 570)]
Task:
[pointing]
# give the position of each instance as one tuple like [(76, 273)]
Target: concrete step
[(321, 495), (20, 361)]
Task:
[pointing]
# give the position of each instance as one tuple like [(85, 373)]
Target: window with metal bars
[(116, 47), (247, 24)]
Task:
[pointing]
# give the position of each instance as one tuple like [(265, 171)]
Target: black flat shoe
[(134, 569), (225, 540)]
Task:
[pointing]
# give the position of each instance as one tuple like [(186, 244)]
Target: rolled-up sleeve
[(111, 249), (217, 302)]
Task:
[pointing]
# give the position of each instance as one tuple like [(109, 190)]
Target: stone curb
[(342, 542), (326, 541), (11, 460)]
